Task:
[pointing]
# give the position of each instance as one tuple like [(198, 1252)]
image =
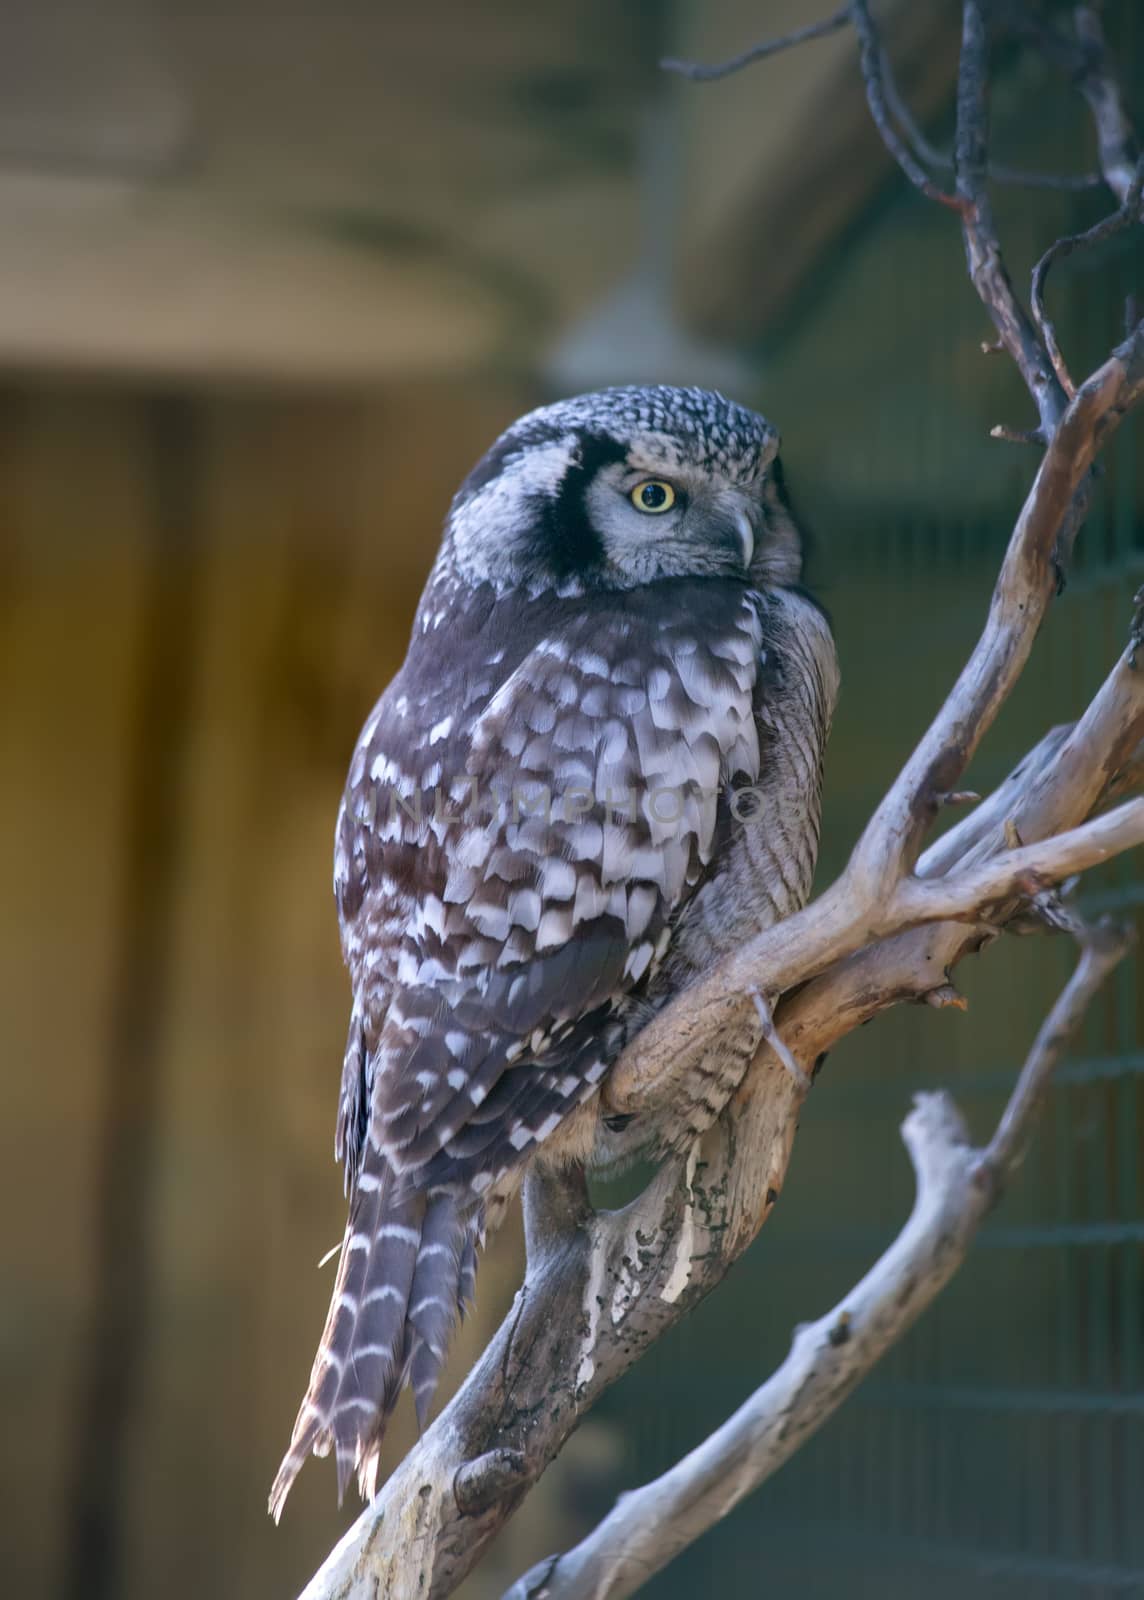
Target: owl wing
[(509, 861), (519, 878)]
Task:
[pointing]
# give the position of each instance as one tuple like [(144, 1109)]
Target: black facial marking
[(572, 544)]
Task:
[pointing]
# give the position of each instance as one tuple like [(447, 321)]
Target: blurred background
[(271, 277)]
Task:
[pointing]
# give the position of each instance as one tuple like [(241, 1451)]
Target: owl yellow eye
[(653, 495)]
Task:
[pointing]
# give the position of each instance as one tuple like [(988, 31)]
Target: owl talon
[(775, 1039)]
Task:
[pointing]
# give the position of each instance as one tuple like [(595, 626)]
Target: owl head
[(624, 487)]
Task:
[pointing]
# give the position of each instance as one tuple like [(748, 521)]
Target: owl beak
[(746, 534)]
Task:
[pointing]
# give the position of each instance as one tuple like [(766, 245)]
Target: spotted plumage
[(597, 769)]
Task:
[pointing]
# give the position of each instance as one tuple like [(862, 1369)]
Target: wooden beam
[(111, 276), (337, 193)]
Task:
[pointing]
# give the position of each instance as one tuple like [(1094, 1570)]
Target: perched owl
[(597, 770)]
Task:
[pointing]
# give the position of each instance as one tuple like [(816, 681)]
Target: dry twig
[(871, 59), (1127, 215), (1085, 60), (995, 171), (987, 270), (698, 73)]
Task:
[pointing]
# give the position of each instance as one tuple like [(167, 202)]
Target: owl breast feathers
[(598, 767)]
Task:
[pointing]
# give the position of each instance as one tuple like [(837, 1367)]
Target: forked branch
[(956, 1187)]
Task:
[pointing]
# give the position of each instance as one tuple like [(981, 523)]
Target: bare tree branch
[(987, 270), (1108, 228), (871, 59), (995, 171), (698, 73), (1085, 59), (1097, 80), (970, 895), (956, 1187)]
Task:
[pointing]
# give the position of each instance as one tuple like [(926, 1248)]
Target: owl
[(597, 770)]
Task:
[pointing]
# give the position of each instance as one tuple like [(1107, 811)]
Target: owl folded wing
[(521, 882)]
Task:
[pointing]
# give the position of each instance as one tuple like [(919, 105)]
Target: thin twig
[(702, 72), (1085, 58), (943, 159), (1107, 228), (1097, 80), (871, 59), (1018, 178), (1002, 430), (699, 73), (987, 268)]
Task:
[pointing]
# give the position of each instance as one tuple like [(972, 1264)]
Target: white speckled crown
[(714, 431)]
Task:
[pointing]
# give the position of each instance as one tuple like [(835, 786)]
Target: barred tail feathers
[(408, 1263), (474, 1241), (436, 1296)]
